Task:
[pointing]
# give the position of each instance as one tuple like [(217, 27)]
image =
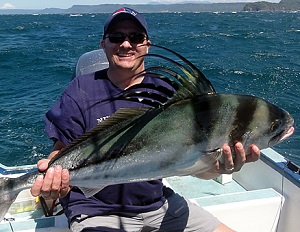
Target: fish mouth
[(288, 133), (284, 133)]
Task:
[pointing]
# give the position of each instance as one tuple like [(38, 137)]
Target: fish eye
[(275, 125)]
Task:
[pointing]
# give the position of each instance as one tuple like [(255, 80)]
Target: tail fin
[(7, 195)]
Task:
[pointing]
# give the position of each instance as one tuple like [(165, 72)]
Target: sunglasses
[(132, 37)]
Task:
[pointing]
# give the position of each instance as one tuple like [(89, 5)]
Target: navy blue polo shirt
[(80, 108)]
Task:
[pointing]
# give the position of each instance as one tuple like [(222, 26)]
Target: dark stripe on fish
[(244, 111), (204, 112)]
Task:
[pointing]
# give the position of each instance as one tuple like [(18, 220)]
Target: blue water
[(248, 53)]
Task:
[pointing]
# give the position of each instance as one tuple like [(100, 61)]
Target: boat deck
[(192, 187)]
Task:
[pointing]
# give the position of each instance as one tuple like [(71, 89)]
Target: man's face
[(124, 55)]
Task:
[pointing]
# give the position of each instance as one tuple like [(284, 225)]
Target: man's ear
[(102, 43), (148, 44)]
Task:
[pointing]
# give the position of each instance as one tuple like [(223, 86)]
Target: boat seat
[(91, 62), (240, 209)]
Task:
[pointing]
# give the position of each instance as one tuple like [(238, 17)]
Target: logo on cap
[(123, 10)]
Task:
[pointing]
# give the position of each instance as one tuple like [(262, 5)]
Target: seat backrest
[(91, 62)]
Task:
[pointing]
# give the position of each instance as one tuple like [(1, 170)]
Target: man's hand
[(231, 164), (55, 184), (234, 164)]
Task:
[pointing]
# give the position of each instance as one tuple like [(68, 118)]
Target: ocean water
[(245, 53)]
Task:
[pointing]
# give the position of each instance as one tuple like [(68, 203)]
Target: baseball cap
[(125, 13)]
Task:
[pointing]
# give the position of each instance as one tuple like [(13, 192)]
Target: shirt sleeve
[(65, 120)]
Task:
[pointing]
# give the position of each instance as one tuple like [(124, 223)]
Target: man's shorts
[(176, 215)]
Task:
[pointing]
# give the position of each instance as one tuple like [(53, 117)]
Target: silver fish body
[(181, 139)]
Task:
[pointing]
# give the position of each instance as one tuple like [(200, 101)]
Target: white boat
[(263, 197), (75, 15)]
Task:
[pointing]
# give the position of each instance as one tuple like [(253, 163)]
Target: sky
[(64, 4)]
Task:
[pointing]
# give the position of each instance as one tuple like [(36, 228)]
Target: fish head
[(280, 126), (255, 121)]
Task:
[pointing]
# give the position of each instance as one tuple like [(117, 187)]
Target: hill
[(283, 5), (144, 8), (153, 8)]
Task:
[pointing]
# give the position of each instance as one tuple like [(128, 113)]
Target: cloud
[(7, 6)]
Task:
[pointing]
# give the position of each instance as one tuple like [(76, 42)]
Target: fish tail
[(7, 195)]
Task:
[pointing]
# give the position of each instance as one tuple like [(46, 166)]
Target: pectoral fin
[(214, 155)]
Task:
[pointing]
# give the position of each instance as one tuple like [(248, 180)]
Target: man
[(141, 206)]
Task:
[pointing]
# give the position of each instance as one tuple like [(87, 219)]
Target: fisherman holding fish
[(137, 206)]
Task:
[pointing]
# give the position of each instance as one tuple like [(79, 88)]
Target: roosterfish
[(179, 134)]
